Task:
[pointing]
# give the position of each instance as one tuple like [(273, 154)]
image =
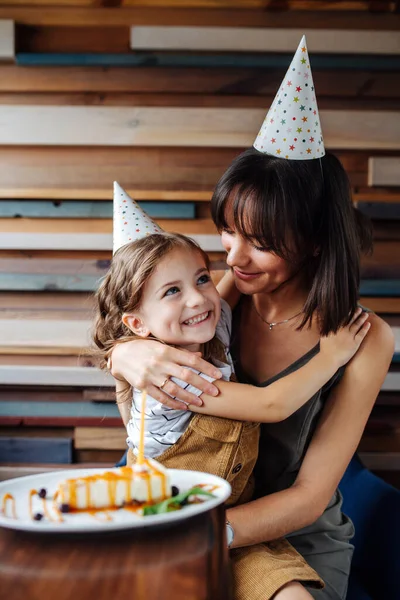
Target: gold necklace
[(271, 325)]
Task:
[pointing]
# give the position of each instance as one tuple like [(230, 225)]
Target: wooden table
[(184, 561)]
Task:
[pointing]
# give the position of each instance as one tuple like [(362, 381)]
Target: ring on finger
[(165, 381)]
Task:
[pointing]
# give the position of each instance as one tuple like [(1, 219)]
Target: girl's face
[(180, 304), (256, 270)]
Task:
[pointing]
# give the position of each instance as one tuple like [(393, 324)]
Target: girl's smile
[(180, 304)]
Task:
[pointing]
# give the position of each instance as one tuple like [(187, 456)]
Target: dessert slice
[(146, 484)]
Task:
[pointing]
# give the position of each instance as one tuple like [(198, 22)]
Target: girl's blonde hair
[(121, 290)]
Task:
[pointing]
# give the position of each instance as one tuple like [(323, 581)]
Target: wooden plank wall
[(91, 92)]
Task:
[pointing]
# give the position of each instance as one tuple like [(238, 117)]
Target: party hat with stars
[(292, 128), (130, 221)]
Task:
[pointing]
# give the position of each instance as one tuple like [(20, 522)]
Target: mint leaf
[(175, 503)]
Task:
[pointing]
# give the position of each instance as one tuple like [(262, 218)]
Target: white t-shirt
[(164, 426)]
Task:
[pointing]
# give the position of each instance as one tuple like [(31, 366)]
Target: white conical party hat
[(130, 221), (292, 127)]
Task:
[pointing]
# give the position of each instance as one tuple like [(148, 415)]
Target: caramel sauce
[(31, 494), (9, 498), (209, 487), (46, 512)]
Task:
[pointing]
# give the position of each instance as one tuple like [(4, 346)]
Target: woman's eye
[(172, 291), (228, 231), (262, 248), (203, 279)]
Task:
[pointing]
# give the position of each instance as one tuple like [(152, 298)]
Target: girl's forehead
[(180, 259)]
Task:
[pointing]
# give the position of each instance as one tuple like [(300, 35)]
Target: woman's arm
[(334, 442), (282, 398)]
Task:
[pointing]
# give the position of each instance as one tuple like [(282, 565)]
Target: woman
[(293, 242)]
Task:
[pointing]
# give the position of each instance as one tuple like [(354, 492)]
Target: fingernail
[(217, 374), (200, 402), (213, 391)]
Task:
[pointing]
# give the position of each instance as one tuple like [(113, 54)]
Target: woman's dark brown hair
[(302, 211)]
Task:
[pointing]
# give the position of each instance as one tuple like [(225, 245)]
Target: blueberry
[(42, 493), (174, 490), (38, 517), (64, 508)]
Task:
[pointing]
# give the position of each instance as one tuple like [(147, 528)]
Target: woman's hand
[(149, 365), (343, 344)]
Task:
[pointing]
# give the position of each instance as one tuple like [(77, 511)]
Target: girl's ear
[(136, 325)]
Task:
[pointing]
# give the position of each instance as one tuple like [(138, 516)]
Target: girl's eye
[(172, 291), (203, 279)]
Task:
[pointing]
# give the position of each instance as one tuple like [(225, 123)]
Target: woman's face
[(256, 270)]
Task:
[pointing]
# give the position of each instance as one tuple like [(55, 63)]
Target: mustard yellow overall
[(229, 449)]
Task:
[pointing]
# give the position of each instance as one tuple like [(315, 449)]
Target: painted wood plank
[(381, 305), (384, 171), (392, 382), (381, 210), (13, 470), (174, 81), (180, 169), (57, 376), (100, 438), (7, 41), (66, 333), (356, 18), (25, 282), (58, 266), (381, 461), (88, 210), (39, 450), (56, 194), (380, 287), (49, 421), (51, 302), (100, 226), (80, 241), (172, 126), (206, 61), (18, 394), (59, 409), (242, 39)]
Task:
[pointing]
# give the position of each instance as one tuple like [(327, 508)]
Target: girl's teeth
[(197, 319)]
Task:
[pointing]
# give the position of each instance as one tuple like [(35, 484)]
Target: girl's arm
[(282, 398), (124, 406), (334, 443)]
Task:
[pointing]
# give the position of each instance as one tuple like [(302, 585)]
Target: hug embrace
[(269, 381)]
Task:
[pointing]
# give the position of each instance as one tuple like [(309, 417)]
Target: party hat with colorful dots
[(292, 128), (130, 221)]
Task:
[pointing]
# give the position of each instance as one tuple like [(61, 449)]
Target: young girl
[(159, 286)]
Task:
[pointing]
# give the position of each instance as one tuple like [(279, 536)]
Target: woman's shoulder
[(378, 346)]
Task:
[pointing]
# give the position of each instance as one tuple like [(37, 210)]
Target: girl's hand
[(149, 365), (344, 344)]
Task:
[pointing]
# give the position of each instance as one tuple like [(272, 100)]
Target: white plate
[(83, 522)]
